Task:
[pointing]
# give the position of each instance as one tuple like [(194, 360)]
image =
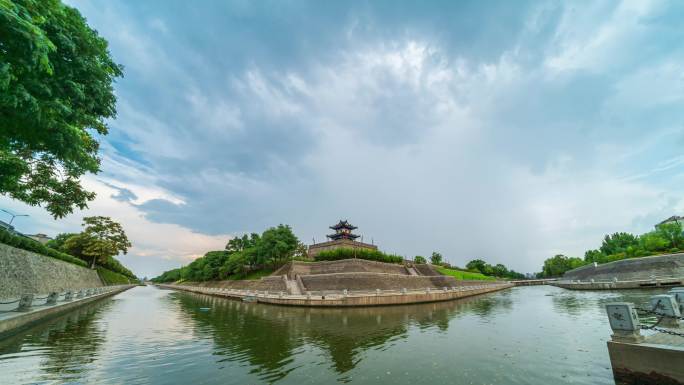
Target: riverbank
[(634, 273), (151, 336), (348, 299), (23, 271), (13, 321)]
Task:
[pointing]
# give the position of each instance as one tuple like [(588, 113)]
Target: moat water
[(526, 335)]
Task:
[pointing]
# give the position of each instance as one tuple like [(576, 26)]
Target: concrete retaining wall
[(22, 272), (343, 266), (660, 266), (373, 281), (272, 284), (352, 300)]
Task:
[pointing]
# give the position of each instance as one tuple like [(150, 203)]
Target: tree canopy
[(419, 259), (101, 239), (241, 256), (667, 237), (499, 270), (56, 92), (436, 258)]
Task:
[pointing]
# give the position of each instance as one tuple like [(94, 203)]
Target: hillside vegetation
[(464, 275), (666, 238)]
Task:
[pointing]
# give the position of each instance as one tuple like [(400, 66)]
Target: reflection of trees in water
[(72, 340), (268, 336), (242, 333), (570, 304)]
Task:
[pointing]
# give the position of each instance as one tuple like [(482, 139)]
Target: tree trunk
[(92, 265)]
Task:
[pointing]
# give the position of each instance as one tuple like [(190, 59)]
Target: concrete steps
[(292, 287)]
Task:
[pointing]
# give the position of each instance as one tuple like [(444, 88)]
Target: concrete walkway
[(12, 321)]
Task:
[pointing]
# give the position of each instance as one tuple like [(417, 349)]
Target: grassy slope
[(252, 275), (111, 278), (464, 275)]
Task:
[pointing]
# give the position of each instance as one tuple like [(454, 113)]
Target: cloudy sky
[(509, 132)]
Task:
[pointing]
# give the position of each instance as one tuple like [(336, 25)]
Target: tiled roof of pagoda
[(343, 224), (337, 236)]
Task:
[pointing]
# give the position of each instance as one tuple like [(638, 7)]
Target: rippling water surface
[(527, 335)]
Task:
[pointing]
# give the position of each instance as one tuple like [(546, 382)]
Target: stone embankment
[(349, 274), (635, 273), (349, 298), (29, 308), (23, 272), (350, 282)]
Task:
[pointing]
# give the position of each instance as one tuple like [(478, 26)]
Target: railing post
[(667, 305), (52, 298), (624, 321), (25, 302)]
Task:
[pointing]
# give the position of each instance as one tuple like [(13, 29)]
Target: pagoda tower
[(343, 238), (343, 230)]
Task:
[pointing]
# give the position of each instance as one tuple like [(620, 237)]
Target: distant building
[(343, 238), (672, 219), (42, 238)]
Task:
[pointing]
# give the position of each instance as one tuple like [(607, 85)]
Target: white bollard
[(25, 302), (52, 298), (624, 321), (667, 305)]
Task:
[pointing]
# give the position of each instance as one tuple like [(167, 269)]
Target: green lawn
[(464, 275)]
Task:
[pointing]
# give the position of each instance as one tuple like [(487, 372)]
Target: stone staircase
[(292, 286)]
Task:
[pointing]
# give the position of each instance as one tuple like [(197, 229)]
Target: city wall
[(23, 271), (655, 271)]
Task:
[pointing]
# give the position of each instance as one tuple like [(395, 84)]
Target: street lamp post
[(14, 215)]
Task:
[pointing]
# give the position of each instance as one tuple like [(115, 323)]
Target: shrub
[(28, 244), (109, 277), (346, 253)]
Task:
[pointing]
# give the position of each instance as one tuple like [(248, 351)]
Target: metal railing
[(29, 301)]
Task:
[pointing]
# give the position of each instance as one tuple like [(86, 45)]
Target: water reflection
[(66, 346), (532, 335), (343, 334)]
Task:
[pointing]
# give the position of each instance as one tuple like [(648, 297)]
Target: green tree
[(301, 251), (672, 232), (559, 264), (653, 241), (277, 245), (56, 92), (101, 239), (500, 270), (419, 259), (436, 258), (591, 256), (57, 242), (618, 243), (242, 243), (476, 265)]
